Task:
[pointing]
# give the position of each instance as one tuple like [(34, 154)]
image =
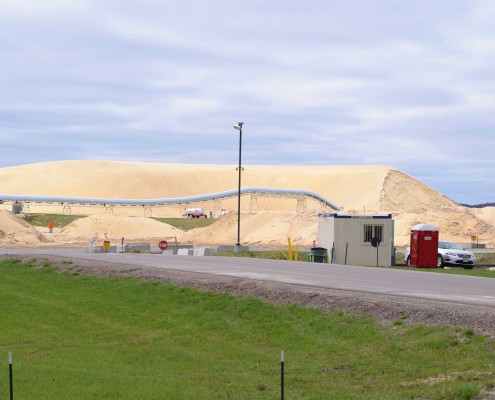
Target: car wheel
[(408, 261), (440, 261)]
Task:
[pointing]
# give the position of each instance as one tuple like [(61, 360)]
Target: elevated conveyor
[(149, 203)]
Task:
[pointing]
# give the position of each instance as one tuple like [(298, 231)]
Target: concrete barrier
[(185, 252), (472, 245), (101, 249), (204, 251), (143, 247), (170, 252)]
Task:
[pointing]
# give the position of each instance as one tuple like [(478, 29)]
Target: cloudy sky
[(404, 83)]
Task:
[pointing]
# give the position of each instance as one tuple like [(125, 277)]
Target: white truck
[(195, 213)]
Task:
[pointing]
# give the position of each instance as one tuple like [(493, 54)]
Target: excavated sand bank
[(265, 221)]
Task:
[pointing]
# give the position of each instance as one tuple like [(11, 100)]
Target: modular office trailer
[(349, 239)]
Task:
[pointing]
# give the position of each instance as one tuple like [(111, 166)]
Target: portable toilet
[(424, 246)]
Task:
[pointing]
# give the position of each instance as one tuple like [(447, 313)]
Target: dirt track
[(386, 309)]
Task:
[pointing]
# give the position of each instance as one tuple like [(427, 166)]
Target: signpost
[(163, 245), (474, 239), (375, 242)]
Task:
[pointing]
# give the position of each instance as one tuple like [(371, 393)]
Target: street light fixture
[(238, 127)]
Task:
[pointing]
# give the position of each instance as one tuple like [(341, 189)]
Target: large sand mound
[(264, 221), (14, 231), (457, 224), (116, 227), (264, 228), (352, 187)]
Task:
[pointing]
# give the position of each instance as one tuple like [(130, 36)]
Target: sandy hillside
[(351, 187), (456, 224), (265, 221), (114, 228), (15, 231), (486, 213), (263, 228)]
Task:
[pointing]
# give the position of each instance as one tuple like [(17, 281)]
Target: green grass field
[(58, 220), (84, 337)]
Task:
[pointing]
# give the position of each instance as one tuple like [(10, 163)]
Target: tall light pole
[(239, 128)]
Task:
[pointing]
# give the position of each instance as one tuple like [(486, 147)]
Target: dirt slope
[(14, 231)]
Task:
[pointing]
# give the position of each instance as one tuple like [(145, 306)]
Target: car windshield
[(449, 245)]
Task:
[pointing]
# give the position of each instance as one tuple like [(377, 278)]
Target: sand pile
[(487, 214), (14, 231), (264, 221), (116, 227), (347, 186), (402, 192), (273, 229), (456, 224), (264, 228)]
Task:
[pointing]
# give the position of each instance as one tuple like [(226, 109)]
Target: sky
[(403, 83)]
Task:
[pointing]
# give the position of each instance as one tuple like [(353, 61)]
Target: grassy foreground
[(83, 337)]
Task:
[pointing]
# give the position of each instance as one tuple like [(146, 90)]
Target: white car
[(449, 254)]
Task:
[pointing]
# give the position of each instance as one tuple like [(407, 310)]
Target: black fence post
[(282, 374), (11, 380)]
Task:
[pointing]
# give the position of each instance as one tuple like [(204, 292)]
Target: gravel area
[(385, 309)]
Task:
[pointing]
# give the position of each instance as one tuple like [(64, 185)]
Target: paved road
[(413, 283)]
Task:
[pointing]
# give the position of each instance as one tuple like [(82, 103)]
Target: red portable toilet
[(424, 246)]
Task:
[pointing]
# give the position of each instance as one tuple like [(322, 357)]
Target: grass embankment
[(271, 254), (58, 220), (485, 259), (83, 337), (187, 224), (61, 220)]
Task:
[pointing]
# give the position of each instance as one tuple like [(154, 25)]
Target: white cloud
[(408, 84), (28, 8)]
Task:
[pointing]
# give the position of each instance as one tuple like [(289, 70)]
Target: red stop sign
[(163, 245)]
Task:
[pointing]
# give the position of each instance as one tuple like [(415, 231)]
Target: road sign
[(163, 245)]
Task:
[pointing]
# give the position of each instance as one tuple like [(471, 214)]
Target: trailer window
[(371, 231)]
